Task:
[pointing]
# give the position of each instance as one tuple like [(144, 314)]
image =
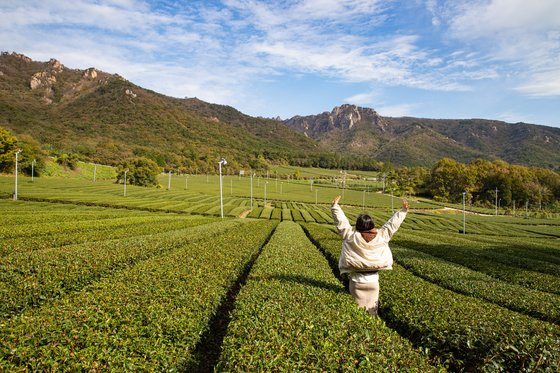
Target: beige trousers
[(366, 295)]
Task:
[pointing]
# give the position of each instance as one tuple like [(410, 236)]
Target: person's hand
[(335, 200), (405, 204)]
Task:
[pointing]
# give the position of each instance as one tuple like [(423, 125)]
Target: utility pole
[(186, 182), (526, 208), (15, 191), (125, 172), (513, 207), (94, 172), (220, 163), (252, 190), (33, 169), (316, 190), (266, 182), (464, 213), (169, 180), (496, 201), (364, 200)]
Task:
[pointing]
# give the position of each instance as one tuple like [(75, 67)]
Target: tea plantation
[(157, 281)]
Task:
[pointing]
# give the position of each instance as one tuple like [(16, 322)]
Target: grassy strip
[(146, 318), (468, 333), (293, 315), (30, 279), (544, 306)]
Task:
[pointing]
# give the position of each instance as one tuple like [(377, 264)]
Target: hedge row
[(145, 318), (293, 315), (469, 253), (468, 333), (29, 279), (544, 306), (28, 244)]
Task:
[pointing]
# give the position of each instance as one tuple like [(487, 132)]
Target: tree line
[(481, 180)]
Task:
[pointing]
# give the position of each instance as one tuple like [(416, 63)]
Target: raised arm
[(340, 220), (388, 229)]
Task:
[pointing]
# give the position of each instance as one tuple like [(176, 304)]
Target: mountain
[(105, 118), (419, 141)]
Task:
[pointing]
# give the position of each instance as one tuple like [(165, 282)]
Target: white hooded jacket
[(361, 256)]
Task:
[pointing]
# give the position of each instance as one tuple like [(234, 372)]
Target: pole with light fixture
[(125, 172), (15, 191), (221, 163)]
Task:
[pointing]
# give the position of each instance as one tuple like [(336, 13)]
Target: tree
[(30, 151), (8, 147), (448, 180), (141, 171)]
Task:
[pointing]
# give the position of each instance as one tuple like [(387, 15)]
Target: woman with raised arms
[(365, 251)]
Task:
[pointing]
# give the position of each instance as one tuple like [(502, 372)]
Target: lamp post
[(15, 191), (464, 213), (33, 169), (125, 172), (221, 163), (266, 182)]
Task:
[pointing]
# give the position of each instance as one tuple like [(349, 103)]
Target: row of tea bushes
[(29, 279), (471, 254), (468, 333), (293, 315), (145, 318), (544, 306), (28, 244)]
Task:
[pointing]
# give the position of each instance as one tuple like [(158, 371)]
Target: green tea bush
[(466, 332), (293, 315), (146, 318)]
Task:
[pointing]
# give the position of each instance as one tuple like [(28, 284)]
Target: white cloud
[(522, 38), (542, 84), (400, 110), (366, 98)]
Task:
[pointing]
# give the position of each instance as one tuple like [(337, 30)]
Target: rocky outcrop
[(55, 66), (344, 118), (19, 56), (129, 92), (42, 79), (90, 73)]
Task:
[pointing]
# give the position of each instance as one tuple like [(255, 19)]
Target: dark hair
[(364, 223)]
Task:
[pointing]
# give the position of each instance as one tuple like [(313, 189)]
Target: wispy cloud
[(522, 37)]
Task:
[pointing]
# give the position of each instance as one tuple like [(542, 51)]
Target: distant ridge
[(420, 141), (105, 118)]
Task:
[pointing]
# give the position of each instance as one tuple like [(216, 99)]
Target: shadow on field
[(310, 282)]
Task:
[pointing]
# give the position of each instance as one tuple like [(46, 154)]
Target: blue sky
[(495, 59)]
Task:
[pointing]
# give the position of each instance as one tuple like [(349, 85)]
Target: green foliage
[(147, 317), (467, 332), (68, 160), (141, 172), (8, 147), (480, 179), (294, 315)]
